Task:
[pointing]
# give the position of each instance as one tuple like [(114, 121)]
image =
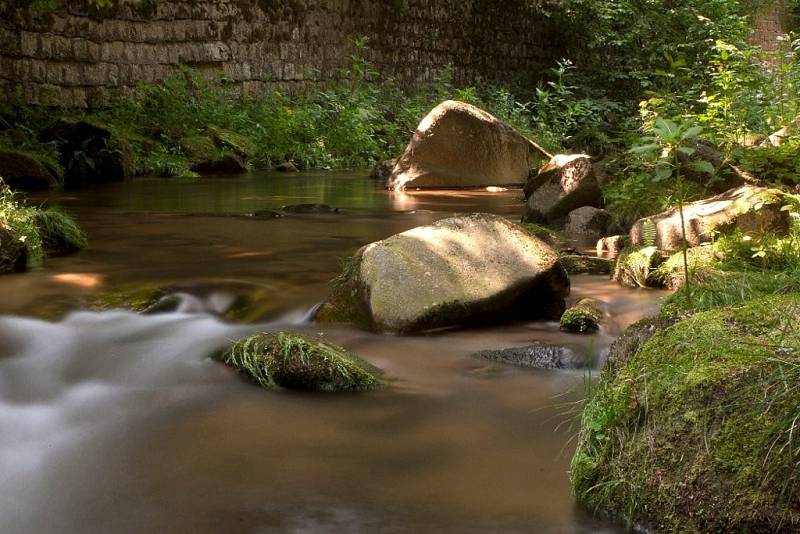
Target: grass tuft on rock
[(697, 429), (294, 361), (59, 232), (635, 267)]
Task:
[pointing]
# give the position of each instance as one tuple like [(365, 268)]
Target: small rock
[(582, 264), (538, 355), (583, 318), (587, 224), (225, 164), (610, 247), (267, 214), (294, 361), (287, 166), (300, 209)]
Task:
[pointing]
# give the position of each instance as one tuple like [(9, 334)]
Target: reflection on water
[(113, 422)]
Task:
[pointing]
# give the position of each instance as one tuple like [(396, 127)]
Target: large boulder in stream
[(755, 211), (567, 182), (462, 270), (461, 146)]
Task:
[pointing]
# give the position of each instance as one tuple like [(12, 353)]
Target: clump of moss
[(635, 267), (548, 235), (704, 262), (59, 232), (294, 361), (583, 318), (695, 429), (583, 264)]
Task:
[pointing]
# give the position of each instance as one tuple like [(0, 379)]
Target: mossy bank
[(695, 428)]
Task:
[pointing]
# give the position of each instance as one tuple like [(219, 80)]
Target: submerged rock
[(295, 361), (566, 183), (27, 172), (538, 355), (13, 252), (461, 270), (302, 209), (583, 318), (461, 146), (582, 264), (698, 419), (755, 211)]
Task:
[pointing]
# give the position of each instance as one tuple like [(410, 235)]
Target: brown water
[(114, 422)]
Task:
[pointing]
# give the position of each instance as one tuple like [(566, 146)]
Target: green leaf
[(665, 128), (703, 166), (692, 133), (685, 150), (663, 172), (644, 149)]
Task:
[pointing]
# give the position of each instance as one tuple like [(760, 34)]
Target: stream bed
[(117, 422)]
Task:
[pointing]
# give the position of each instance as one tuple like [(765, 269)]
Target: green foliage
[(293, 361), (59, 232), (21, 221), (635, 267), (696, 429)]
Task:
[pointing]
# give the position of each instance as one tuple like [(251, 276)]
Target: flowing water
[(117, 422)]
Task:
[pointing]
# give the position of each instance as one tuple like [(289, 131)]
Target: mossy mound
[(582, 264), (59, 232), (636, 267), (294, 361), (696, 428), (583, 318), (704, 262)]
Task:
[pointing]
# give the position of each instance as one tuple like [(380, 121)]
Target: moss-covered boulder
[(59, 232), (755, 211), (462, 270), (636, 267), (294, 361), (13, 253), (704, 262), (25, 171), (694, 427), (582, 318)]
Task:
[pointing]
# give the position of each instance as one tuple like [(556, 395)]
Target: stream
[(117, 422)]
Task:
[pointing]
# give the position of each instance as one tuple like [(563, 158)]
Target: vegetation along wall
[(78, 54)]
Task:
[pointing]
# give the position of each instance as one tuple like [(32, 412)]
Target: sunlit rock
[(459, 145), (462, 270), (565, 183), (755, 211)]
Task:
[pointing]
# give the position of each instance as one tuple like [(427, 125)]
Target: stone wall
[(77, 56)]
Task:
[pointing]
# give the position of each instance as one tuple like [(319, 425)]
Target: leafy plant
[(667, 144)]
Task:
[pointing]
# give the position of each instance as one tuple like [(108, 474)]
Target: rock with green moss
[(635, 267), (462, 270), (704, 262), (13, 253), (59, 232), (294, 361), (583, 318), (756, 211), (694, 429)]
